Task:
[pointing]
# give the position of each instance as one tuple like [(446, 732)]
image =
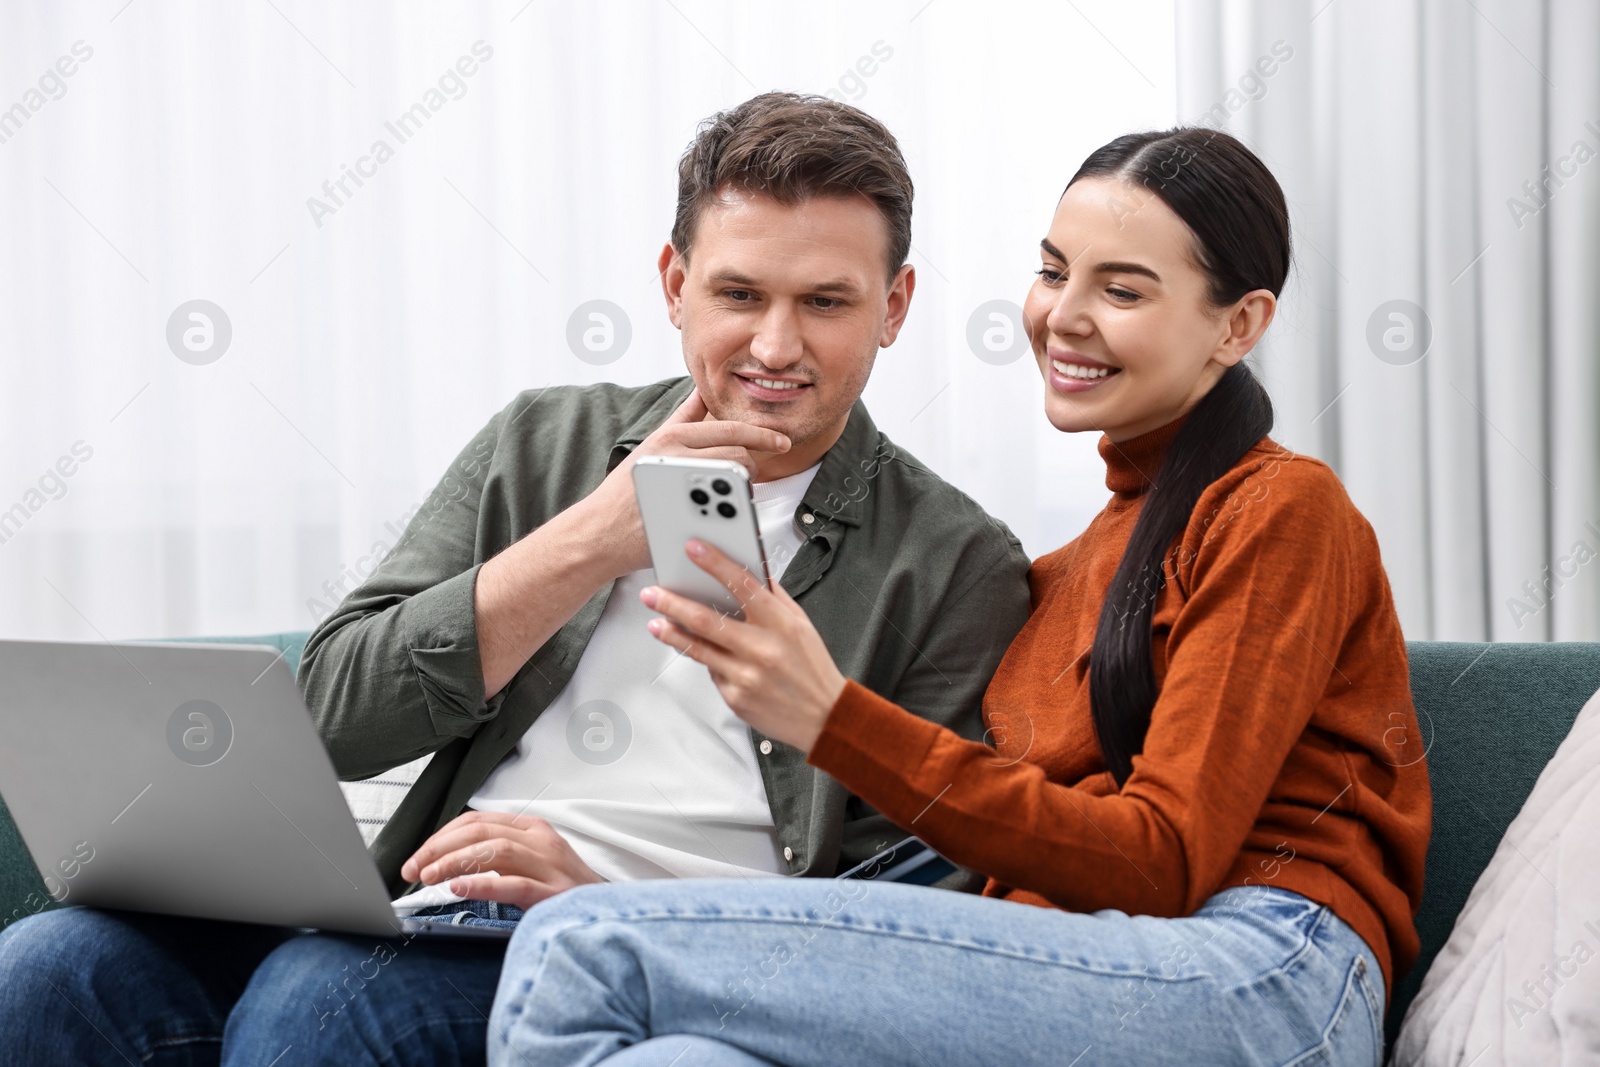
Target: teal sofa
[(1491, 718)]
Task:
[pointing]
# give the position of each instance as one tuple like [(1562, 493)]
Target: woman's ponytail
[(1236, 211)]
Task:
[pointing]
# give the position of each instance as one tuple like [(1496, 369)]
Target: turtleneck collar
[(1132, 465)]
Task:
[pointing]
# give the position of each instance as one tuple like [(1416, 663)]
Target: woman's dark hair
[(1236, 211)]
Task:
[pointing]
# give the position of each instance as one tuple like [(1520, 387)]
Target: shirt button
[(766, 748), (808, 518), (788, 854)]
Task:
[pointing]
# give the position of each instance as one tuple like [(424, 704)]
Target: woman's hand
[(530, 859), (772, 668)]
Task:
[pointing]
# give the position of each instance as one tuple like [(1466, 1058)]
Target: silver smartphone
[(681, 498)]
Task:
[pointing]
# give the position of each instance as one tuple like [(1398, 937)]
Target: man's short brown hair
[(792, 148)]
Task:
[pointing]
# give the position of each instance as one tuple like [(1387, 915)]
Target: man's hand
[(529, 591), (611, 512), (532, 860)]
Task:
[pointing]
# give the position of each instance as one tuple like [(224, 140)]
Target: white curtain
[(383, 303), (1444, 154)]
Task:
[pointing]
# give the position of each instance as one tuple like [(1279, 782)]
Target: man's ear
[(898, 303), (1244, 325), (672, 267)]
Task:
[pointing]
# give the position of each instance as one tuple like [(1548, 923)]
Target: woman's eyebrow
[(1109, 267), (1127, 268)]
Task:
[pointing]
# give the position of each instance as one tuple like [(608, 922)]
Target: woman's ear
[(1245, 322)]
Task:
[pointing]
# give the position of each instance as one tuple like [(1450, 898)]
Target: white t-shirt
[(639, 763)]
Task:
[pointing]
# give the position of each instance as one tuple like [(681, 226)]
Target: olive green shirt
[(915, 590)]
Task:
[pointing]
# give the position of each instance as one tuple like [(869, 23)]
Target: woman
[(1198, 776)]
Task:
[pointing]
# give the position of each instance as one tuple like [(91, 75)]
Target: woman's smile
[(1072, 373)]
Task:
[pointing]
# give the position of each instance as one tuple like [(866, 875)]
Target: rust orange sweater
[(1283, 749)]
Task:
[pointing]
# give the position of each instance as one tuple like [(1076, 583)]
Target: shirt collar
[(650, 418), (843, 484)]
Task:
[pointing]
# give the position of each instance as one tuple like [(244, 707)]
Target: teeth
[(773, 383), (1078, 370)]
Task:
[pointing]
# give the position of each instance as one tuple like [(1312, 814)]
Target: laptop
[(189, 780)]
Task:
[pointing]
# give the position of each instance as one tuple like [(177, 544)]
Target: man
[(504, 635)]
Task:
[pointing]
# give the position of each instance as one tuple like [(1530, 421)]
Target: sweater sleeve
[(1249, 655)]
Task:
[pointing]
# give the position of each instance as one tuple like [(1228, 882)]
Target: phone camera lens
[(699, 496), (722, 487), (727, 510)]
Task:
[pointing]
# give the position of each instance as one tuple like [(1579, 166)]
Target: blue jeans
[(816, 974), (86, 986)]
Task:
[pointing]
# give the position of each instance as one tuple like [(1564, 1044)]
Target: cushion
[(1491, 718), (1513, 980)]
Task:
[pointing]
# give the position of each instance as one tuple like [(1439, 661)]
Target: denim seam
[(386, 1055), (537, 966), (1346, 1000), (176, 1040), (903, 935), (1374, 1004), (1306, 946)]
